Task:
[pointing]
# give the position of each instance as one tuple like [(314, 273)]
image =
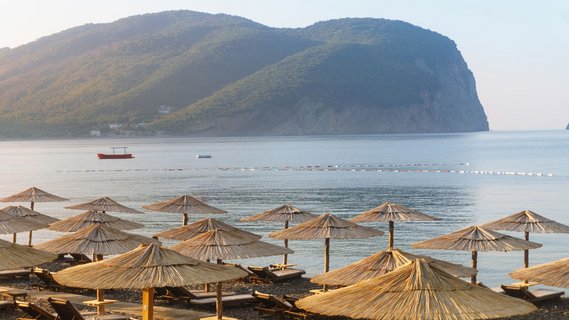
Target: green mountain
[(225, 75)]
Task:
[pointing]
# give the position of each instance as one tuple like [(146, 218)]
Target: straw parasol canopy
[(103, 204), (227, 245), (95, 240), (146, 267), (418, 290), (33, 195), (555, 274), (13, 224), (29, 214), (185, 205), (16, 256), (391, 212), (284, 213), (474, 239), (193, 229), (91, 217), (382, 263), (326, 226), (526, 222)]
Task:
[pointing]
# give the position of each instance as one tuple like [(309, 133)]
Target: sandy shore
[(299, 287)]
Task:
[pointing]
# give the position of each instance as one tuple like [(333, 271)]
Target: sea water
[(464, 179)]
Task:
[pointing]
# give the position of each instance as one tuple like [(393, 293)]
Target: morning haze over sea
[(249, 175), (457, 110)]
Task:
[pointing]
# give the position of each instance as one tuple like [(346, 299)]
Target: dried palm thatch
[(527, 221), (476, 239), (185, 205), (103, 204), (12, 224), (326, 226), (391, 212), (147, 267), (15, 256), (227, 245), (96, 239), (191, 230), (91, 217), (283, 213), (381, 263), (30, 215), (555, 274), (32, 195), (418, 290)]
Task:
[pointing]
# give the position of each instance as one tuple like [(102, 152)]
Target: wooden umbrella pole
[(30, 239), (32, 205), (148, 304), (474, 266), (218, 301), (391, 229), (206, 286), (185, 219), (326, 260), (14, 238), (285, 256), (526, 256), (100, 292)]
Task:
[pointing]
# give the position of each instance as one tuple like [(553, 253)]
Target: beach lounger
[(183, 294), (67, 311), (233, 300), (14, 294), (265, 274), (47, 280), (20, 273), (535, 295), (79, 258), (240, 266), (7, 305), (296, 313), (282, 307), (33, 311)]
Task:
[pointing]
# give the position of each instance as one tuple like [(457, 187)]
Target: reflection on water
[(164, 168)]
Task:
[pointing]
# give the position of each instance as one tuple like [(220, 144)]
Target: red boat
[(116, 155)]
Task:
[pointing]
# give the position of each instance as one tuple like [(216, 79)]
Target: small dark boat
[(116, 155)]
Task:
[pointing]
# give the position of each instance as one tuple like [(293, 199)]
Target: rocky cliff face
[(225, 75)]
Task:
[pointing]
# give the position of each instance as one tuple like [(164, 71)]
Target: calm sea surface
[(464, 179)]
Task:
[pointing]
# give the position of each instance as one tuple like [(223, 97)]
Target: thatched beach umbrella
[(526, 222), (391, 212), (185, 205), (146, 268), (418, 290), (476, 239), (103, 204), (382, 263), (16, 256), (10, 224), (33, 195), (326, 226), (193, 229), (284, 213), (31, 215), (91, 217), (555, 274), (95, 240), (226, 245)]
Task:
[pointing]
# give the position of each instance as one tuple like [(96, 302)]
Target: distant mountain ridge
[(190, 73)]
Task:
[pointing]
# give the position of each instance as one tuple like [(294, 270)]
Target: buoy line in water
[(387, 168)]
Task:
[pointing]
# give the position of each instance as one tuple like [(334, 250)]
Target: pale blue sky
[(517, 49)]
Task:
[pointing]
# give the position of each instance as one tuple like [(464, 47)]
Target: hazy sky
[(517, 49)]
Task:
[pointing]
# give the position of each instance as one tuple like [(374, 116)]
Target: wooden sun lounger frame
[(183, 294), (265, 274), (284, 307), (537, 295), (33, 311), (19, 273), (67, 311)]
